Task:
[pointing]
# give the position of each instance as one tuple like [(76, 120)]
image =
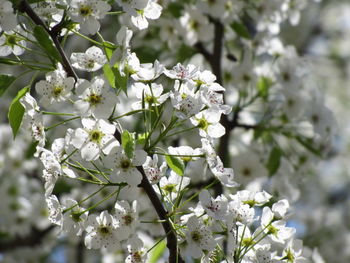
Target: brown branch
[(174, 256), (26, 8), (35, 238)]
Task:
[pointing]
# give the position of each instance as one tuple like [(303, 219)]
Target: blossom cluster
[(136, 140)]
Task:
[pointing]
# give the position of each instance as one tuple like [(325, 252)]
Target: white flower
[(198, 237), (215, 208), (253, 198), (52, 169), (152, 171), (151, 11), (12, 42), (225, 175), (87, 13), (240, 212), (74, 220), (208, 123), (124, 168), (33, 120), (280, 208), (195, 27), (181, 72), (97, 136), (248, 167), (8, 19), (140, 11), (92, 60), (137, 253), (152, 95), (101, 232), (173, 185), (277, 230), (186, 153), (95, 98), (185, 100), (127, 218), (55, 210), (292, 252), (56, 88)]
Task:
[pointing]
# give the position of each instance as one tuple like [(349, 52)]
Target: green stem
[(87, 38), (60, 123)]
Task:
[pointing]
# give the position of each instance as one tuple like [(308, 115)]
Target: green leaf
[(157, 252), (109, 74), (109, 49), (16, 111), (175, 164), (45, 42), (274, 161), (5, 82), (263, 86), (241, 30), (128, 143), (121, 82)]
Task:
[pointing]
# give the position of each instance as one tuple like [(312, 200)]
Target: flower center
[(75, 216), (90, 63), (57, 90), (125, 164), (169, 188), (203, 124), (85, 10), (96, 136), (11, 40), (246, 172), (272, 230), (95, 99), (196, 236), (104, 230), (128, 219)]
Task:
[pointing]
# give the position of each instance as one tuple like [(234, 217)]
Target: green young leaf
[(175, 164), (128, 143), (157, 252), (241, 30), (109, 49), (16, 111), (274, 161), (109, 74), (121, 82), (5, 82), (45, 42), (263, 86)]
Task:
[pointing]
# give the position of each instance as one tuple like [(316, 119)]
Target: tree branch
[(174, 256), (26, 8)]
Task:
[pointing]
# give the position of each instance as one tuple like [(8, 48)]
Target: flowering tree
[(182, 139)]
